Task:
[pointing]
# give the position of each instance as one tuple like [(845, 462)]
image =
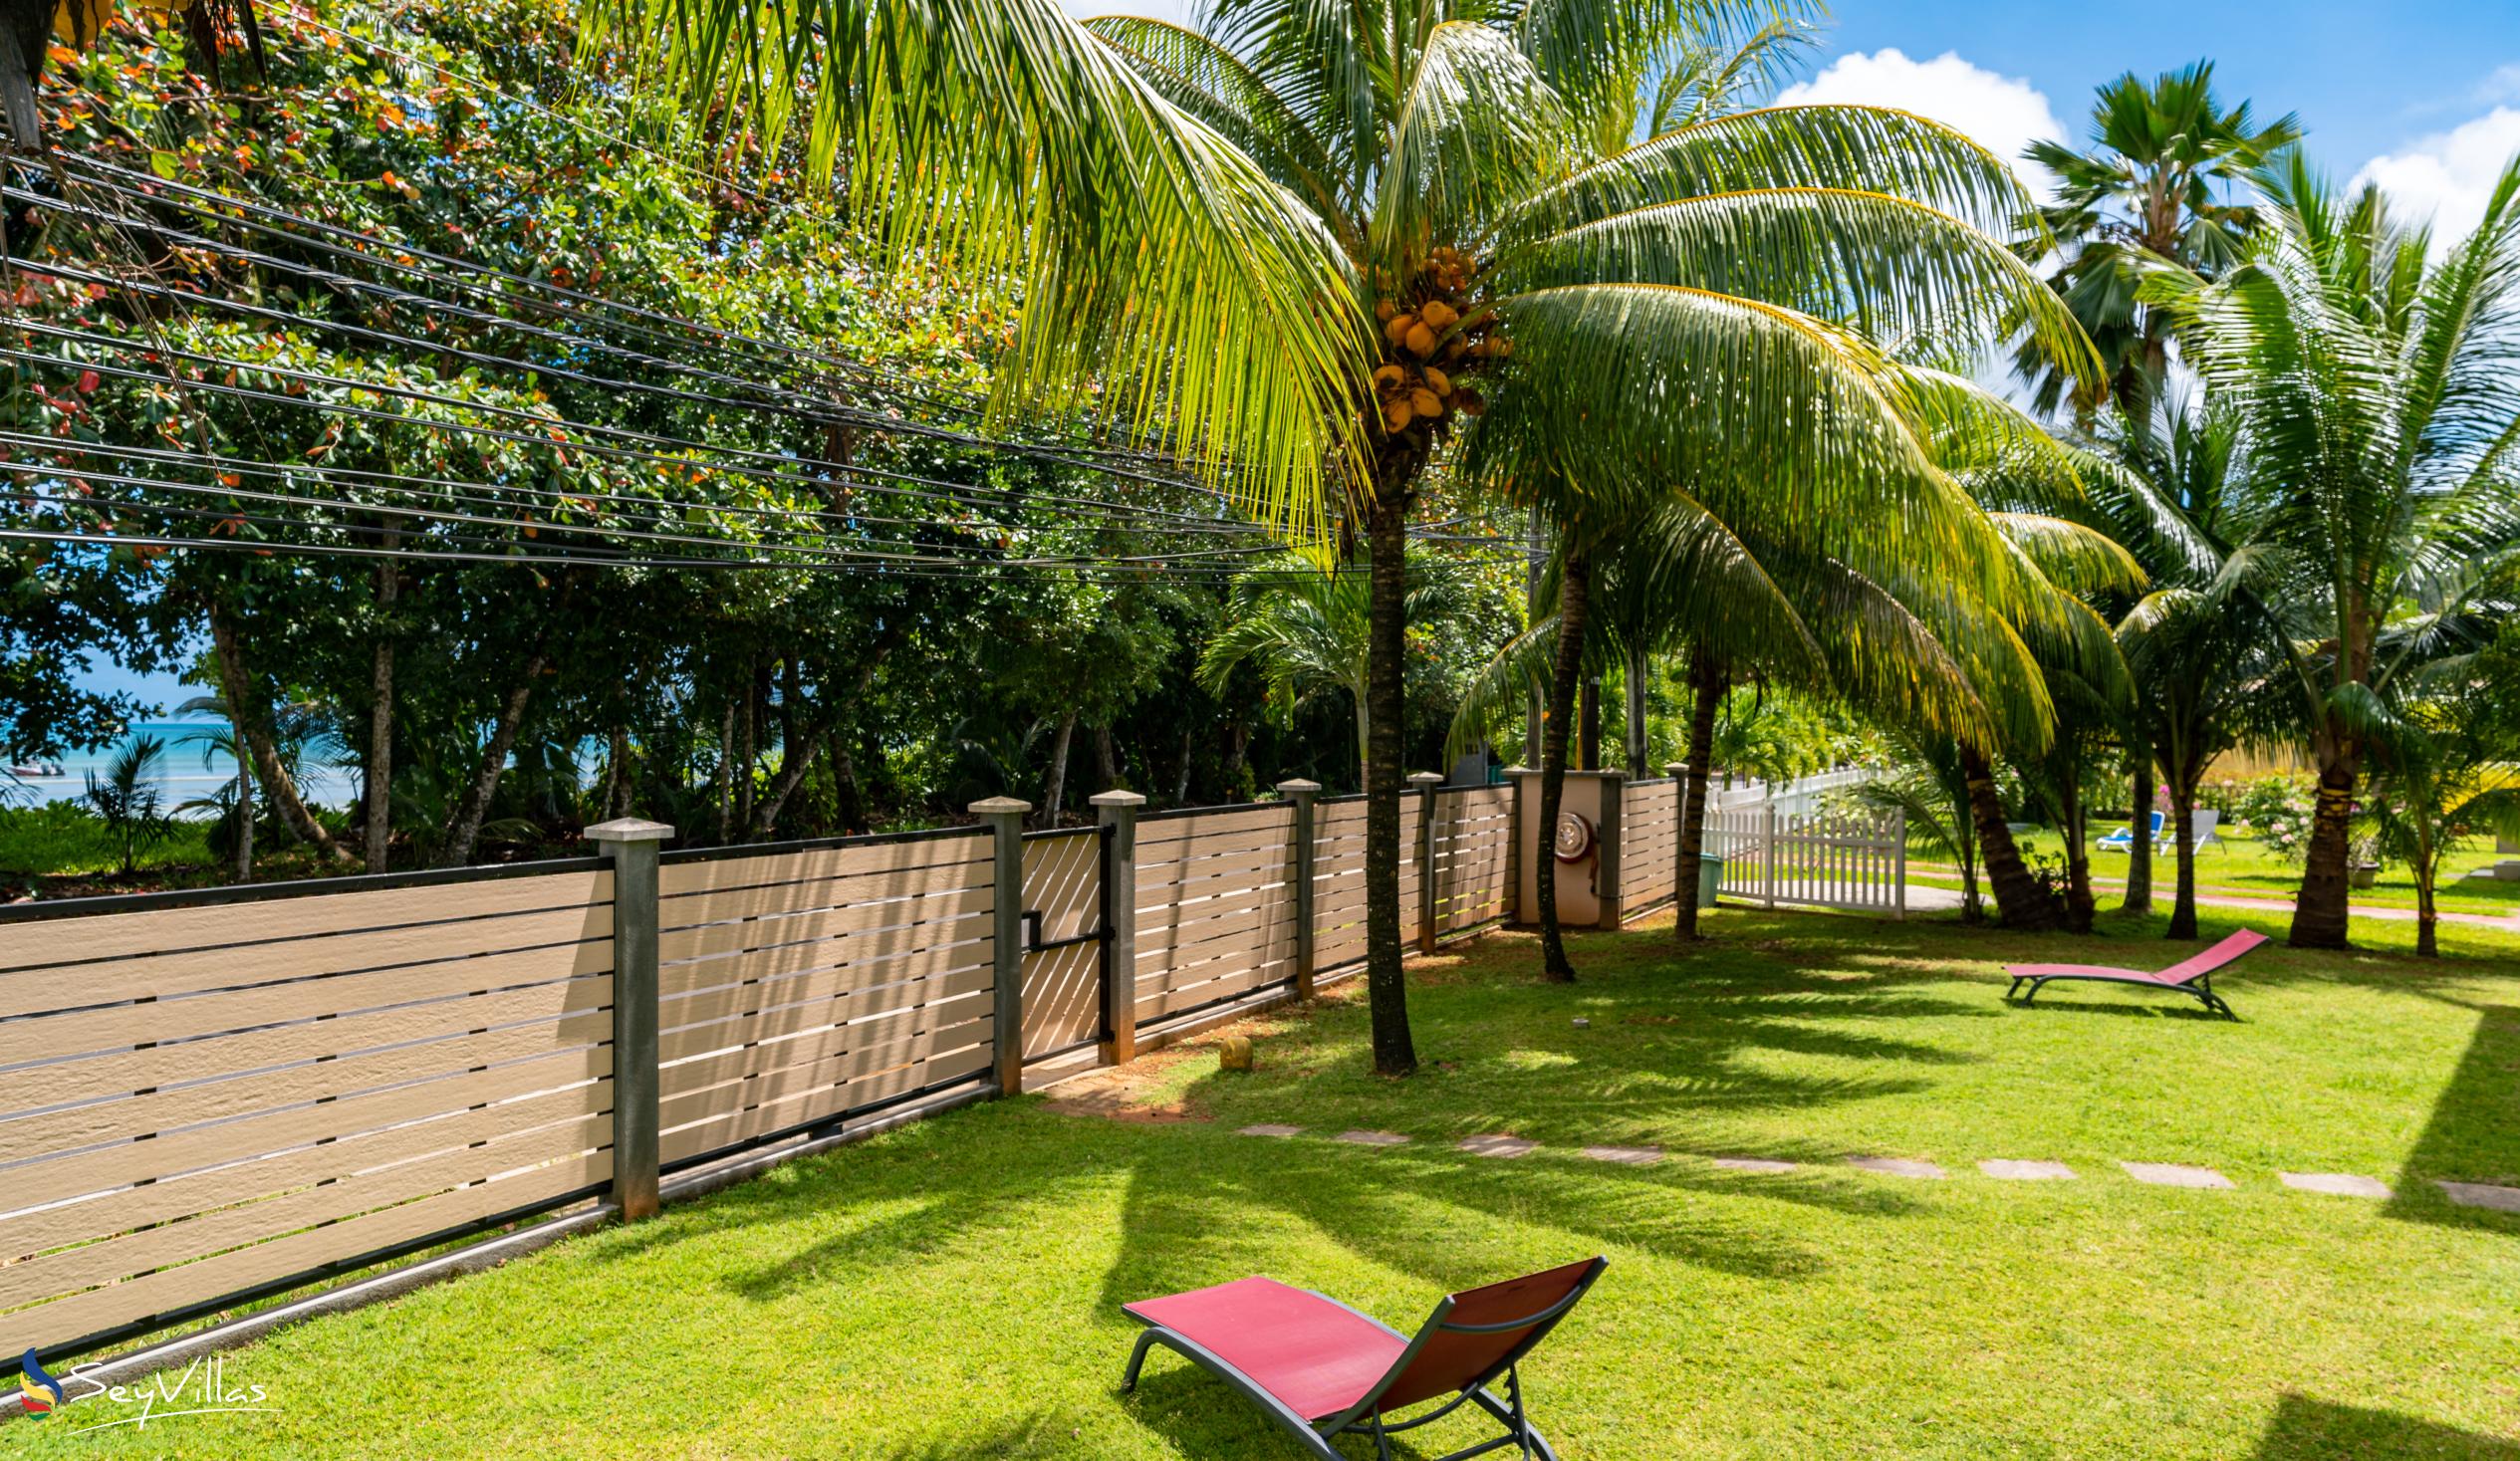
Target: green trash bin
[(1711, 871)]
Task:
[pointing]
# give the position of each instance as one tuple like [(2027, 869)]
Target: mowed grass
[(2243, 865), (951, 1290)]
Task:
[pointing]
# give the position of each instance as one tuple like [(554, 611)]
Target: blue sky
[(2425, 97)]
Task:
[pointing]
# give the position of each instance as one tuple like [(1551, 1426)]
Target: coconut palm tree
[(1301, 245), (2164, 159), (2378, 389)]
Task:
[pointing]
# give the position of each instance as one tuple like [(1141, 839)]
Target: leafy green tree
[(128, 800), (2377, 384), (2156, 183)]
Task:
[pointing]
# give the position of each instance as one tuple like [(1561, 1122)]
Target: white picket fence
[(1797, 798), (1830, 859)]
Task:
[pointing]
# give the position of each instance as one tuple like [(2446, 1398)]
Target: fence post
[(1302, 794), (1519, 776), (1117, 813), (1770, 855), (631, 845), (1678, 772), (1005, 816), (1607, 871), (1899, 875), (1425, 782)]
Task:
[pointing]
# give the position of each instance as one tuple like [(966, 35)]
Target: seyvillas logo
[(199, 1388), (38, 1392)]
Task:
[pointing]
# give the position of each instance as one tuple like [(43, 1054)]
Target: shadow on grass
[(1020, 1437), (2316, 1431), (2470, 1136)]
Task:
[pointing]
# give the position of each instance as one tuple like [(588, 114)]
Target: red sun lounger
[(2193, 978), (1321, 1369)]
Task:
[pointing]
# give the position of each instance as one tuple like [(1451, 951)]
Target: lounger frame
[(2200, 988), (1365, 1417)]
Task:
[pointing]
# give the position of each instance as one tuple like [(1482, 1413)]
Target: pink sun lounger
[(1320, 1369), (2191, 977)]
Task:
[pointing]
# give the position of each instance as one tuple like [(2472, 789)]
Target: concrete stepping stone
[(1266, 1129), (2480, 1194), (1634, 1156), (1763, 1165), (1371, 1138), (1498, 1146), (2005, 1169), (1899, 1166), (2336, 1184), (2171, 1174)]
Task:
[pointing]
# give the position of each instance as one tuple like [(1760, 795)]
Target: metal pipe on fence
[(631, 845)]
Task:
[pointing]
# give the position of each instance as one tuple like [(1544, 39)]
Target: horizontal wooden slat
[(770, 903), (875, 959), (182, 1018), (1172, 830), (726, 1131), (160, 975), (805, 1045), (311, 1082), (239, 1182), (675, 881), (123, 936), (73, 1269), (243, 1064), (103, 1309), (718, 938), (1219, 844), (795, 1080), (746, 1026)]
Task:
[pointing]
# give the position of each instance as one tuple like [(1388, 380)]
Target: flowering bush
[(2277, 809)]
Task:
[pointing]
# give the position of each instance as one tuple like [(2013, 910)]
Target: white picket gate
[(1830, 859)]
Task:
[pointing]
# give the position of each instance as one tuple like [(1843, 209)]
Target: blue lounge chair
[(2123, 840)]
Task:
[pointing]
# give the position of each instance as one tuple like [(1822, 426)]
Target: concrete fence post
[(1425, 782), (1005, 819), (1607, 871), (1678, 772), (1519, 827), (631, 845), (1117, 813), (1307, 844)]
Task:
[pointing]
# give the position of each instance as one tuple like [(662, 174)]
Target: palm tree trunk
[(1575, 587), (616, 782), (2025, 906), (1386, 638), (1055, 791), (465, 829), (1364, 736), (379, 826), (252, 719), (1588, 754), (2139, 851), (722, 782), (1637, 668), (2080, 905), (1535, 707), (1706, 694), (2427, 867), (244, 817), (2320, 914), (2183, 814), (1105, 758)]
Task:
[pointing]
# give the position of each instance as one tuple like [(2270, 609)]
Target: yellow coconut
[(1396, 415), (1440, 315), (1235, 1054), (1438, 382), (1425, 404), (1383, 310), (1398, 327), (1387, 375), (1420, 339)]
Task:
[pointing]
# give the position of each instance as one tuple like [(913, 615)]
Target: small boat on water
[(31, 770)]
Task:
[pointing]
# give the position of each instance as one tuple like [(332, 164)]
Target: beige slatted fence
[(200, 1102), (1063, 987), (797, 986), (1215, 907), (1648, 844), (1473, 855)]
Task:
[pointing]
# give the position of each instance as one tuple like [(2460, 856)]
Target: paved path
[(2002, 1169)]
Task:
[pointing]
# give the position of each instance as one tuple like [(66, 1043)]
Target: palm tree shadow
[(2470, 1136), (2318, 1430)]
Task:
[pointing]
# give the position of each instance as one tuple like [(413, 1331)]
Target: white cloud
[(2502, 85), (2448, 175), (2001, 113)]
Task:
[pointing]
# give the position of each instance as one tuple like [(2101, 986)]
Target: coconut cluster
[(1427, 346)]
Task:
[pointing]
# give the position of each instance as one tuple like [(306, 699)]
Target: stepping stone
[(1373, 1139), (1634, 1156), (2005, 1169), (1766, 1166), (1264, 1130), (1499, 1146), (2478, 1194), (1899, 1166), (2336, 1184), (2171, 1174)]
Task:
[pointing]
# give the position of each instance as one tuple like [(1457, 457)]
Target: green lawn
[(2245, 867), (951, 1290)]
